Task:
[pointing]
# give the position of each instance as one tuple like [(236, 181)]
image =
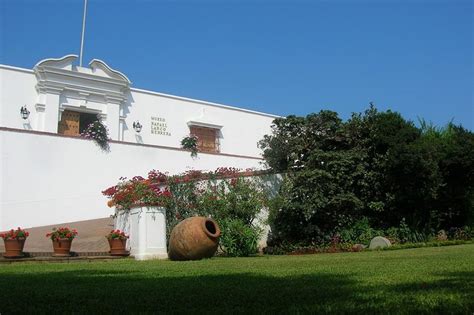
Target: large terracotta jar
[(62, 247), (14, 247), (194, 238), (117, 247)]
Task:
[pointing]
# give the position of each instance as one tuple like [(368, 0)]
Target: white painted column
[(146, 227), (113, 120), (40, 116), (51, 114)]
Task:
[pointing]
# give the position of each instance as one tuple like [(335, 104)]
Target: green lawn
[(423, 281)]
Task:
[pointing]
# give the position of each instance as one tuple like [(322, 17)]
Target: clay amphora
[(194, 238)]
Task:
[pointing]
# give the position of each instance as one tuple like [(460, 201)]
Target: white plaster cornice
[(16, 68), (82, 109), (198, 123), (40, 107), (203, 120)]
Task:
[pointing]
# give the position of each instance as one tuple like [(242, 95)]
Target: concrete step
[(4, 260)]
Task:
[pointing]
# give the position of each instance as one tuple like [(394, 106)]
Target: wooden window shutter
[(207, 139), (69, 124)]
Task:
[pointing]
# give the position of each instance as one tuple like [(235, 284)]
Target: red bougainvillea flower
[(62, 233), (15, 234), (117, 234)]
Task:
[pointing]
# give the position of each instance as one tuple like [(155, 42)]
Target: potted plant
[(62, 240), (117, 241), (190, 143), (98, 132), (14, 242)]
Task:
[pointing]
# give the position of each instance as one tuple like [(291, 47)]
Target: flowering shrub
[(15, 234), (99, 133), (117, 235), (190, 143), (138, 192), (62, 233), (224, 194)]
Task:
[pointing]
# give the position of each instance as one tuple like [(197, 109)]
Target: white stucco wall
[(17, 88), (46, 93), (240, 132), (49, 179)]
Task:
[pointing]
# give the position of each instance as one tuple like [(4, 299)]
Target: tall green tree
[(377, 166)]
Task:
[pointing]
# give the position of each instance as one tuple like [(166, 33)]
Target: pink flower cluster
[(117, 235), (62, 233), (15, 234)]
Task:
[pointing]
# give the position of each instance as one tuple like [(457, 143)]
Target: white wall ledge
[(16, 69), (52, 134)]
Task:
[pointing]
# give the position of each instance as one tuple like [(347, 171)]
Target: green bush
[(404, 234), (238, 238), (464, 233), (360, 232), (233, 201), (406, 180)]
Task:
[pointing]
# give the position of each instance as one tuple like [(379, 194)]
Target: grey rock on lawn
[(379, 242)]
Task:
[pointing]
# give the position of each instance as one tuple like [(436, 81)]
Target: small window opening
[(74, 123), (208, 140)]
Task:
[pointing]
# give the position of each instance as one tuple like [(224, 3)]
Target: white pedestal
[(147, 229)]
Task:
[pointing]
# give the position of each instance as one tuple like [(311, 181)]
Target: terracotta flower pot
[(14, 247), (62, 247), (194, 238), (117, 247)]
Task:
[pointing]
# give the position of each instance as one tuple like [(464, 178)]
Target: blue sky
[(281, 57)]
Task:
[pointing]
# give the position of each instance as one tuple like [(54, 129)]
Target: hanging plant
[(99, 133), (190, 143)]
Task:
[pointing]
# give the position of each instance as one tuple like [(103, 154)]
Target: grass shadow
[(124, 291)]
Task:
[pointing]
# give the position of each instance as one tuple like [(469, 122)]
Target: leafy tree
[(456, 165), (377, 166)]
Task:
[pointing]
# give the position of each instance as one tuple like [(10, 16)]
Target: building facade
[(49, 174)]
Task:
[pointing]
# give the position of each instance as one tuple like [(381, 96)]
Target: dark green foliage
[(376, 166), (234, 203), (404, 234), (360, 232), (190, 143), (238, 238), (456, 165), (465, 233)]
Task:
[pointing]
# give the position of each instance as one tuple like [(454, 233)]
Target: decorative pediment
[(101, 68), (59, 63), (98, 81)]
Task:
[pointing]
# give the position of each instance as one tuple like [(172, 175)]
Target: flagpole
[(83, 31)]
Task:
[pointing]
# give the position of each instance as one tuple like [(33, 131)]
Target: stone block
[(379, 242)]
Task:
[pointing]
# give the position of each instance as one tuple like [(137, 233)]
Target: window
[(74, 123), (208, 140)]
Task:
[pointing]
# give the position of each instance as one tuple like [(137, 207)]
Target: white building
[(49, 174)]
